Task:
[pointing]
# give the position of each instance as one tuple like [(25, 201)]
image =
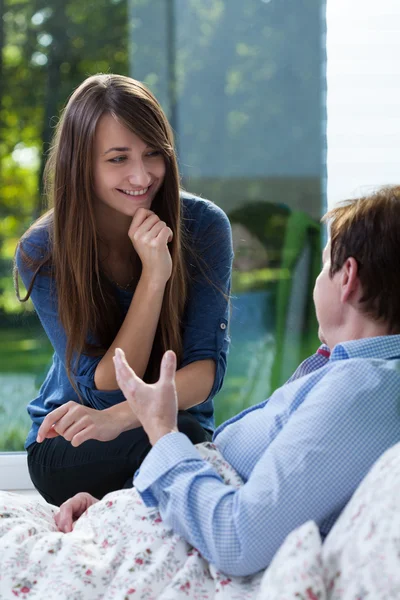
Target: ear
[(350, 281)]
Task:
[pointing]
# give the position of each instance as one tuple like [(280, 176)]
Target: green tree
[(48, 49)]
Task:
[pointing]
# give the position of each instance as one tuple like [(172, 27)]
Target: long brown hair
[(87, 306)]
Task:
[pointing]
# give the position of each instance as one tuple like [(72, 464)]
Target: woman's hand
[(77, 424), (72, 509), (156, 404), (150, 237)]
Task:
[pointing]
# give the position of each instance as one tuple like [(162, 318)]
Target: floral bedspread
[(120, 549)]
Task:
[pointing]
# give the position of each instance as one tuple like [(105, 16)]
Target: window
[(363, 96), (243, 84)]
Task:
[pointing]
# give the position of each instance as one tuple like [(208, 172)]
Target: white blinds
[(363, 99)]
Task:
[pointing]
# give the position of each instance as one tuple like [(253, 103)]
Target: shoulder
[(200, 215), (355, 380), (38, 235), (359, 366), (35, 243)]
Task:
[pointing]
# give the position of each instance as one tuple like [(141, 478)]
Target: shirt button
[(223, 326)]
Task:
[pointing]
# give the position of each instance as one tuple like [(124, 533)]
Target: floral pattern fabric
[(361, 555), (118, 550), (121, 550)]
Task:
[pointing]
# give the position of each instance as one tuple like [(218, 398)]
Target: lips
[(135, 193), (142, 196)]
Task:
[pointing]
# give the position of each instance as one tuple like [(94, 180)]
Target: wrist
[(153, 282), (123, 416), (157, 433)]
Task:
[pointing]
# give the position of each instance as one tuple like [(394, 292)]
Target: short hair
[(368, 229)]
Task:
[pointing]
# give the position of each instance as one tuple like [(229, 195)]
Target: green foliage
[(49, 48), (24, 350), (25, 354), (13, 437), (258, 279)]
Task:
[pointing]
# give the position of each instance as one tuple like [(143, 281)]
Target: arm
[(136, 335), (150, 236), (205, 327), (87, 420), (90, 416), (44, 299), (205, 323), (309, 471)]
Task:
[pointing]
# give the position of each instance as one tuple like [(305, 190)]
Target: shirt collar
[(385, 346)]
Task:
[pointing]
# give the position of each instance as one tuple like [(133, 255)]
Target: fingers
[(159, 232), (168, 368), (140, 216), (86, 433), (52, 433), (128, 380), (72, 509), (147, 225), (154, 231), (142, 223), (64, 518), (123, 370), (80, 431), (165, 235), (126, 377), (50, 420), (74, 420), (71, 421)]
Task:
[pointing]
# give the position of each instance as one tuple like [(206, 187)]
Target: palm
[(155, 405)]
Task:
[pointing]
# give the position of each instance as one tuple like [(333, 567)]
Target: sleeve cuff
[(167, 453), (98, 399)]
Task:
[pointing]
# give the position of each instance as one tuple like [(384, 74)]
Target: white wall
[(363, 99)]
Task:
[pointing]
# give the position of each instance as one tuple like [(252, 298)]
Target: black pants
[(59, 471)]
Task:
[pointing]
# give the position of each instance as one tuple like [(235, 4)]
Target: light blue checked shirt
[(301, 454)]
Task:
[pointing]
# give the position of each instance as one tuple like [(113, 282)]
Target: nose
[(139, 177)]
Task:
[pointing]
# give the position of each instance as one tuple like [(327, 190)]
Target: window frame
[(14, 471)]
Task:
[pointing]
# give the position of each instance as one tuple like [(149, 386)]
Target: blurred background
[(243, 84)]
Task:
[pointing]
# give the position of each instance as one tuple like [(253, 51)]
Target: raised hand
[(77, 423), (72, 509), (150, 237), (156, 404)]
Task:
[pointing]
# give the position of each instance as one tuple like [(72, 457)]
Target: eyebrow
[(121, 149)]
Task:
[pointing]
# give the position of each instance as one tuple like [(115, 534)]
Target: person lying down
[(212, 515)]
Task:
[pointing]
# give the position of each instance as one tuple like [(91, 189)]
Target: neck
[(358, 328), (113, 230)]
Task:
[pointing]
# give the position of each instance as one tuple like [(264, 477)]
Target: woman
[(122, 259)]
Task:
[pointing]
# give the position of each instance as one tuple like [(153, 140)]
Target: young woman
[(122, 259)]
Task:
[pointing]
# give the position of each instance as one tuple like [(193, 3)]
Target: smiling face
[(127, 172)]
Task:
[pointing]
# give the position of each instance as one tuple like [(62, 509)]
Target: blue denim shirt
[(204, 327)]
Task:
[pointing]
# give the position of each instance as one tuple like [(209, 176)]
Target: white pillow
[(361, 554), (295, 572)]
